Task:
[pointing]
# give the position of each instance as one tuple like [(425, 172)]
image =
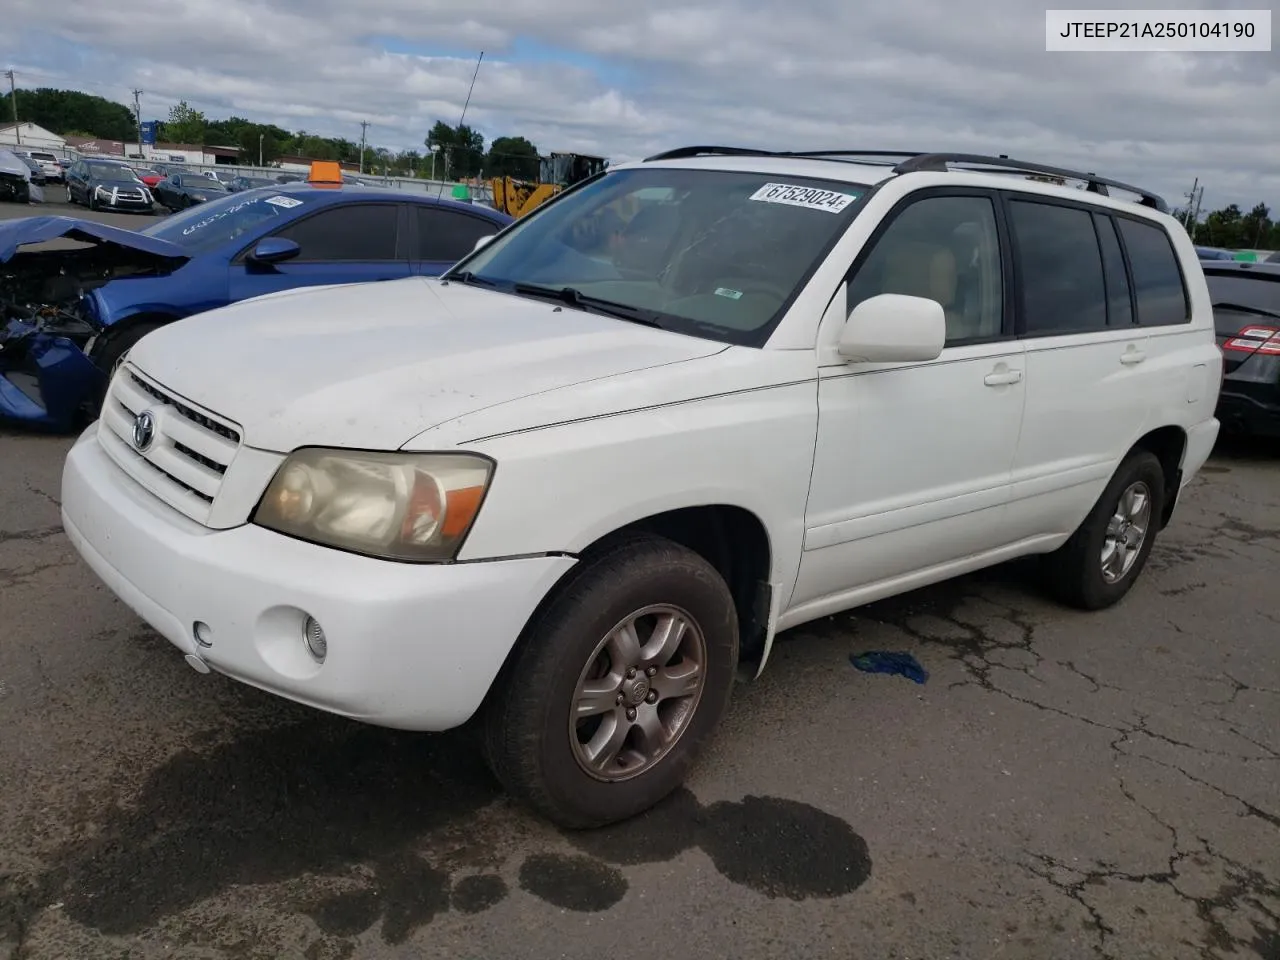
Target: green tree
[(259, 140), (185, 124), (461, 149), (512, 157), (68, 111)]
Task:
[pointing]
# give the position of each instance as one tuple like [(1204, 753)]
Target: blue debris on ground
[(883, 661)]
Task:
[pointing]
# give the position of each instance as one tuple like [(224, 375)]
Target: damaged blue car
[(70, 311)]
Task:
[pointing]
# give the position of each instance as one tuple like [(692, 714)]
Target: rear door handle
[(1130, 357), (1002, 378)]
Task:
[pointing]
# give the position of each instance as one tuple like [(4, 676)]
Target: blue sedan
[(67, 316)]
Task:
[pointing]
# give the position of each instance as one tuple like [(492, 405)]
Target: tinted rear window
[(1157, 281), (1257, 291)]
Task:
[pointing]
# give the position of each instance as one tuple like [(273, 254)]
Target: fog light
[(203, 633), (316, 643)]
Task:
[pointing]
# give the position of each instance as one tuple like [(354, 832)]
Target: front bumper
[(414, 647), (110, 201), (45, 379)]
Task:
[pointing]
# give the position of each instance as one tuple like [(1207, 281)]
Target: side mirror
[(894, 328), (274, 250), (482, 241)]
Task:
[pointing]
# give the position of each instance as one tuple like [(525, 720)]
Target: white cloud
[(628, 79)]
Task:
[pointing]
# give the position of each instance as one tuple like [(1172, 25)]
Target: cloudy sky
[(623, 79)]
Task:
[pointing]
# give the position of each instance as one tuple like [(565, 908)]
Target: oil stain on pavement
[(321, 798)]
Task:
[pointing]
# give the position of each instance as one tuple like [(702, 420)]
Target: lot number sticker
[(286, 202), (809, 197)]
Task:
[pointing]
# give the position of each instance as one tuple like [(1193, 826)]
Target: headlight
[(398, 506)]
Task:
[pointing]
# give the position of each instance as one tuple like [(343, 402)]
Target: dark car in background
[(68, 316), (37, 171), (102, 184), (238, 184), (178, 191), (1246, 313)]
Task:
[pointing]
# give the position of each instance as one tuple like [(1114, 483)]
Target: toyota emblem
[(144, 430)]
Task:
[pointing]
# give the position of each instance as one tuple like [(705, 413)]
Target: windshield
[(710, 253), (214, 223), (205, 185), (111, 171)]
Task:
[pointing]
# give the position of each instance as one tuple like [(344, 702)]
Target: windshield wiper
[(576, 298), (1241, 308), (467, 276)]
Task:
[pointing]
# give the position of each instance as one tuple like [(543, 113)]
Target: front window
[(710, 253), (111, 171), (216, 222)]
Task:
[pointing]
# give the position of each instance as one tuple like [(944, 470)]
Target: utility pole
[(364, 125), (260, 136), (1187, 220), (137, 115), (13, 96)]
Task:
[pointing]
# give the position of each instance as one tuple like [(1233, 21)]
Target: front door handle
[(1002, 378), (1132, 356)]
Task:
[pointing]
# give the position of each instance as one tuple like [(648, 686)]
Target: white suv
[(576, 485)]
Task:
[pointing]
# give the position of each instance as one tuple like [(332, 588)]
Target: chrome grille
[(189, 454)]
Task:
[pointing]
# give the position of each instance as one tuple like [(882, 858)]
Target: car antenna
[(465, 104)]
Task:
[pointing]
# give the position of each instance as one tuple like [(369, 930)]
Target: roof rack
[(682, 153), (923, 162), (937, 163)]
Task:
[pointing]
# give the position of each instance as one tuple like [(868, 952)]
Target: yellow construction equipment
[(517, 198)]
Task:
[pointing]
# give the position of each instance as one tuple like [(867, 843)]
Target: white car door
[(912, 464), (1088, 371)]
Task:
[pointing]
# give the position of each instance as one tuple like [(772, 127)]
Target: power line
[(13, 96)]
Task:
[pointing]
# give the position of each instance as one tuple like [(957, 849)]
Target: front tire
[(1103, 558), (110, 355), (617, 685)]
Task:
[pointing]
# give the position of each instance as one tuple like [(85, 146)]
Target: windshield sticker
[(214, 218), (287, 202), (726, 292), (811, 198)]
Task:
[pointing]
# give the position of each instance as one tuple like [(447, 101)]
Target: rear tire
[(583, 649), (1103, 558)]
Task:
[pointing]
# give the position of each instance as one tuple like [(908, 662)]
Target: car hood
[(48, 275), (10, 164), (131, 244), (372, 365)]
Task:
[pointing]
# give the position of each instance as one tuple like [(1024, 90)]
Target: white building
[(30, 136)]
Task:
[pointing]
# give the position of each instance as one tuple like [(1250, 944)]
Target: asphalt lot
[(1064, 786)]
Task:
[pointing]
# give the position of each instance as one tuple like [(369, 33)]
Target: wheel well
[(1168, 444), (732, 540), (114, 331)]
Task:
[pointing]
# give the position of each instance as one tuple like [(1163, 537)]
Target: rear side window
[(448, 234), (1119, 308), (1063, 287), (1157, 281), (350, 232)]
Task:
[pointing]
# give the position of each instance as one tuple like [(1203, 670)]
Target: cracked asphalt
[(1064, 785)]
